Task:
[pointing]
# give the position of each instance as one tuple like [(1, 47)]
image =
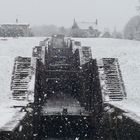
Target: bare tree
[(132, 29)]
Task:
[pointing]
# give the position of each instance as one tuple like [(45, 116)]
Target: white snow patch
[(9, 49), (6, 114)]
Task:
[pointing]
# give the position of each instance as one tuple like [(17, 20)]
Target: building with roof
[(15, 30), (84, 29)]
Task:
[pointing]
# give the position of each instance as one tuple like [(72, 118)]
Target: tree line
[(132, 28)]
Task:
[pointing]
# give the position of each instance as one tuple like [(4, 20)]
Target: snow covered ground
[(127, 51), (9, 49)]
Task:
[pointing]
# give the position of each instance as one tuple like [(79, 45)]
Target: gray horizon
[(110, 13)]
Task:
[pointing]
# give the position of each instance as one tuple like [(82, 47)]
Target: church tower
[(75, 25)]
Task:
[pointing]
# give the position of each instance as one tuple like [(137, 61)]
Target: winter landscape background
[(112, 30)]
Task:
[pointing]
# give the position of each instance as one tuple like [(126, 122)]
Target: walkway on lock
[(64, 104)]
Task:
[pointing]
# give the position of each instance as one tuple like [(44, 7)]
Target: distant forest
[(49, 30)]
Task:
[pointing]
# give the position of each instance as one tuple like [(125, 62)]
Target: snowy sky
[(110, 13)]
